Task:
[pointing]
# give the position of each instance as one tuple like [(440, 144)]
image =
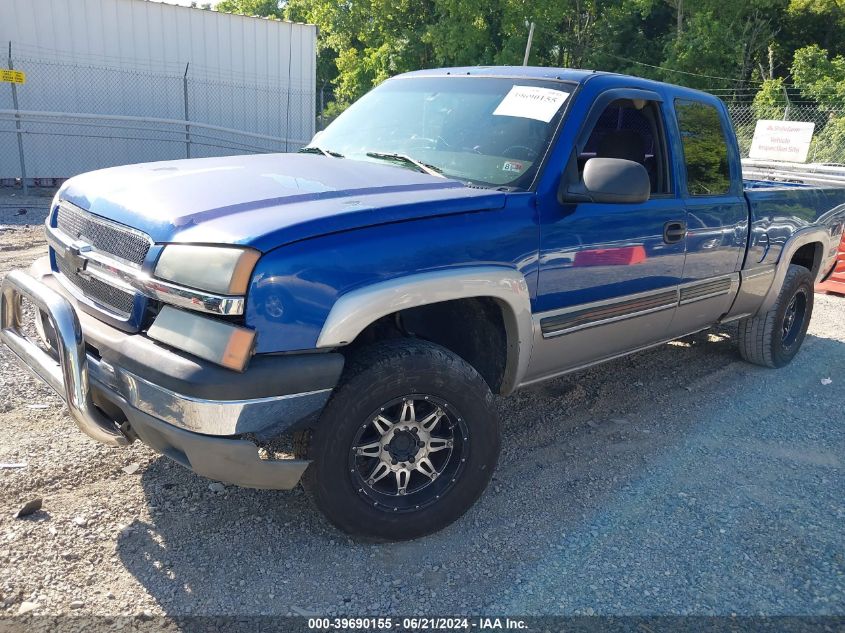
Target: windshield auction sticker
[(531, 102)]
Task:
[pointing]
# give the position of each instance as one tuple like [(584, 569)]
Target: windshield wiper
[(316, 149), (431, 170)]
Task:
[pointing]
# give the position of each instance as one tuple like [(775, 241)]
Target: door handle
[(674, 231)]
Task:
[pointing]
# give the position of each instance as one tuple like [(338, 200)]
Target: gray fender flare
[(356, 310), (798, 239)]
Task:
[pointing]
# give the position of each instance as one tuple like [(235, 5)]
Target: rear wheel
[(774, 338), (407, 443)]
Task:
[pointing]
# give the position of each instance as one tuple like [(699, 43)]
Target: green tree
[(731, 47), (633, 33), (820, 77), (466, 32), (819, 22), (264, 8), (367, 40), (565, 34), (828, 145), (724, 40), (770, 101)]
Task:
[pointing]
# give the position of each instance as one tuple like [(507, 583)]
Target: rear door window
[(705, 148)]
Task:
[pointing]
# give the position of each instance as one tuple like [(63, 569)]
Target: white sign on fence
[(782, 140)]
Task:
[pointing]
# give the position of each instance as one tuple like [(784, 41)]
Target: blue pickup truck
[(454, 234)]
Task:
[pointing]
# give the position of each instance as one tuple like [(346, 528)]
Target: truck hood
[(267, 200)]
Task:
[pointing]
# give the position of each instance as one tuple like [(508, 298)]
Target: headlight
[(217, 269)]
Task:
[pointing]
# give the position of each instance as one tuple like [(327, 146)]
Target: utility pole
[(528, 43)]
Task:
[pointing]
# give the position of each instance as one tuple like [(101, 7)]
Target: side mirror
[(612, 180)]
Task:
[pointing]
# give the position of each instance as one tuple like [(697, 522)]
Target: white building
[(143, 68)]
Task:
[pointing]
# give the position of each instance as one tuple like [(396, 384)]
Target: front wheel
[(774, 338), (407, 443)]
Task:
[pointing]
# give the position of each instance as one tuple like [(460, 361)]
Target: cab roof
[(574, 75), (528, 72)]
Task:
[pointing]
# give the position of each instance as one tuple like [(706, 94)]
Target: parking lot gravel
[(679, 480)]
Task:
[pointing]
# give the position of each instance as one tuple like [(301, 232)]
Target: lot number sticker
[(530, 102)]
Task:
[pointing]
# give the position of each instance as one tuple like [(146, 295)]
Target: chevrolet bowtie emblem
[(74, 256)]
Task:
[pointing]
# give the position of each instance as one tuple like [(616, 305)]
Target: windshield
[(484, 130)]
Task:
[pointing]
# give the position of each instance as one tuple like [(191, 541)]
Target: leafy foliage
[(818, 76), (265, 8), (770, 101), (821, 78), (735, 48), (827, 145)]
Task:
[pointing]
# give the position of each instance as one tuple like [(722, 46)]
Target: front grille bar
[(123, 242), (109, 297), (129, 278)]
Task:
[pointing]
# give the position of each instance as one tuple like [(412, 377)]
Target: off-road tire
[(762, 340), (383, 373)]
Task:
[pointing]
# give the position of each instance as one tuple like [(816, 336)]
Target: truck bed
[(780, 173), (779, 209)]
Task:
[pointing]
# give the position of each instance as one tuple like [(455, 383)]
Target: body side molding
[(700, 290), (554, 323), (581, 316), (356, 310), (603, 312)]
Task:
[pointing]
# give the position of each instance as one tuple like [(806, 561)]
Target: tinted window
[(705, 149), (621, 115), (630, 130)]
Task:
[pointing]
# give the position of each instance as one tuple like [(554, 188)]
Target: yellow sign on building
[(13, 76)]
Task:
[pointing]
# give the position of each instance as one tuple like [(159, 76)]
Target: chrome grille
[(105, 236), (108, 296), (109, 238)]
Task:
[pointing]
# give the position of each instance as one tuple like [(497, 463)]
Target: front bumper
[(116, 390)]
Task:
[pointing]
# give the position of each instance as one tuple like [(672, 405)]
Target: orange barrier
[(836, 282)]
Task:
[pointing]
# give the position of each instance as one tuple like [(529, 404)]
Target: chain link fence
[(70, 117), (828, 145)]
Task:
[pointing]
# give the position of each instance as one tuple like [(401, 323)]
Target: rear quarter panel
[(779, 211)]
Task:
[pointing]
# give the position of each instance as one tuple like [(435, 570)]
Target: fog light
[(223, 343)]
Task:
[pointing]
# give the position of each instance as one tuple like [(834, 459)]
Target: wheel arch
[(807, 246), (357, 310), (809, 256)]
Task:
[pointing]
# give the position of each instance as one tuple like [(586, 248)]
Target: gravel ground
[(17, 209), (676, 481)]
